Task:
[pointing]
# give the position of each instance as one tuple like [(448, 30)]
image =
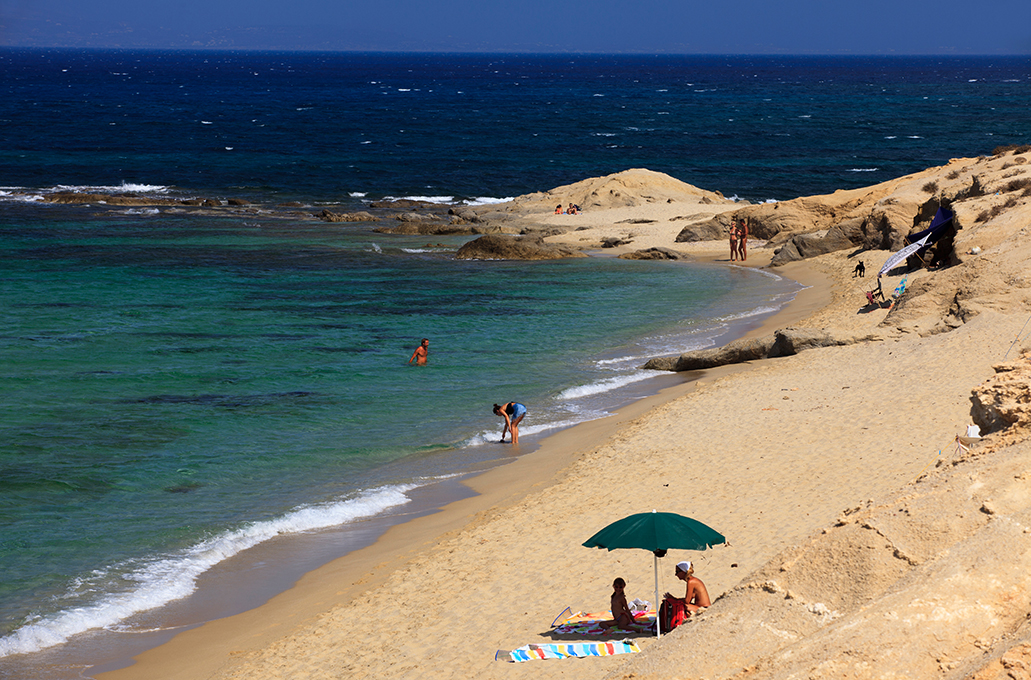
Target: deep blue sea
[(178, 387)]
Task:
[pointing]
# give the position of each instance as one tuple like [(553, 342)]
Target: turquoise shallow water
[(179, 388)]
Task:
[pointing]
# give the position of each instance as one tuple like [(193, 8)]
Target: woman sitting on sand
[(558, 209), (513, 413), (676, 610)]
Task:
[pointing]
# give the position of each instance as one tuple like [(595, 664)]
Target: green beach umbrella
[(656, 532)]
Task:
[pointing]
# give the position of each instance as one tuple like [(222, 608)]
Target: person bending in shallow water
[(513, 413)]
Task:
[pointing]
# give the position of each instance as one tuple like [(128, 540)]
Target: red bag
[(672, 613)]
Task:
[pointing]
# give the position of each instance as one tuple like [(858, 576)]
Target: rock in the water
[(506, 247), (328, 216), (656, 253)]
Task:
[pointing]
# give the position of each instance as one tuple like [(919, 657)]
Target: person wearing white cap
[(696, 597)]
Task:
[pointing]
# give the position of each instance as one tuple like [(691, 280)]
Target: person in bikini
[(513, 413), (742, 240), (733, 240)]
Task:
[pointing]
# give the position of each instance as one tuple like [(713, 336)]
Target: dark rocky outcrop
[(466, 215), (131, 200), (507, 247), (653, 254), (329, 216)]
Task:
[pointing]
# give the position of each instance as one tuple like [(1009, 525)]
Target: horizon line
[(299, 50)]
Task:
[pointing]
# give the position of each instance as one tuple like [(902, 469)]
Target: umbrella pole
[(658, 621)]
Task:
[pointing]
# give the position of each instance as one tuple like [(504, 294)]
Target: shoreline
[(500, 487)]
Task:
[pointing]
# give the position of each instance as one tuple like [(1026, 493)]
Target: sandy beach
[(861, 539)]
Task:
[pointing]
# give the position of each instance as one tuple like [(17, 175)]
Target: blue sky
[(609, 26)]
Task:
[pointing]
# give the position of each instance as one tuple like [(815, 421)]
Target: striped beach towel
[(561, 650), (579, 623)]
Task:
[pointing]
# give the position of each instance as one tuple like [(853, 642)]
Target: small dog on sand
[(859, 271)]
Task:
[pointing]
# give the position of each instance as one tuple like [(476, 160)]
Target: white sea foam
[(485, 200), (158, 581), (142, 211), (748, 314), (863, 169), (605, 385), (357, 194), (423, 199), (124, 187)]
